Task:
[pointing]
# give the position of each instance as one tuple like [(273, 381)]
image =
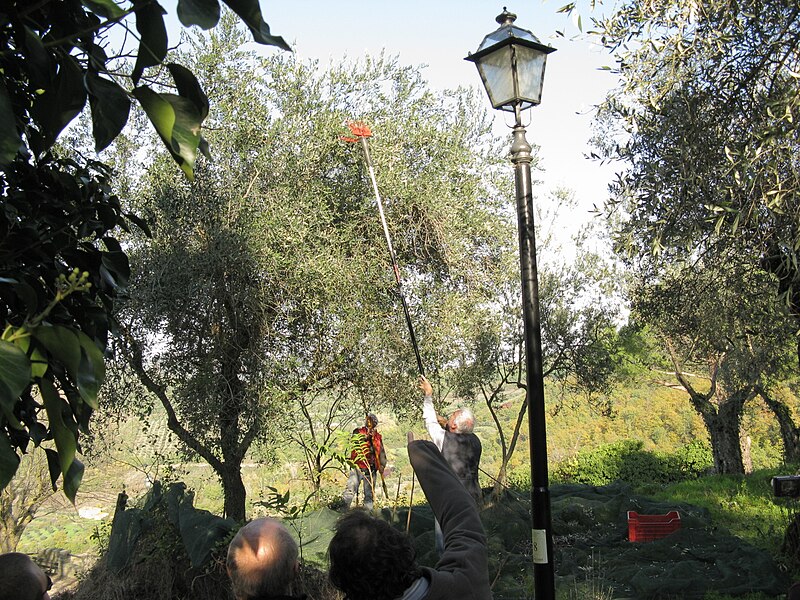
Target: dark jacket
[(463, 570), (463, 452)]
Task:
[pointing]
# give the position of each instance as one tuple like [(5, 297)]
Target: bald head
[(21, 578), (262, 560)]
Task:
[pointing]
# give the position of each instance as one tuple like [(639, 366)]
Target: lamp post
[(511, 63)]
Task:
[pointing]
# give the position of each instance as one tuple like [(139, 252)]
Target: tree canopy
[(705, 127), (267, 280)]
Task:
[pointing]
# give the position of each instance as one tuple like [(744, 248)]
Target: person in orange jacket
[(369, 457)]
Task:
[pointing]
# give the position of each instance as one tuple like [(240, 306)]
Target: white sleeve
[(431, 423)]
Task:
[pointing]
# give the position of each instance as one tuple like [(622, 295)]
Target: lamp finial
[(505, 17)]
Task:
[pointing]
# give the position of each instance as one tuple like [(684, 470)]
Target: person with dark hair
[(369, 457), (262, 561), (794, 592), (22, 579), (361, 543), (371, 560)]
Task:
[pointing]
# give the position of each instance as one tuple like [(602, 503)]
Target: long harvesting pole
[(363, 133)]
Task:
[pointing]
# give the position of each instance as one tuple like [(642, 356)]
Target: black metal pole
[(542, 535)]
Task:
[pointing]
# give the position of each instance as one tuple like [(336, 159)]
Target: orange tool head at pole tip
[(359, 130)]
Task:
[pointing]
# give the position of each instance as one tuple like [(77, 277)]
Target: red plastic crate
[(646, 528)]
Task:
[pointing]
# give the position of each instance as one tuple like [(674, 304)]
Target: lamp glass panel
[(530, 73), (495, 71)]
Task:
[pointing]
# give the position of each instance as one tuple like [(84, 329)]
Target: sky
[(440, 34)]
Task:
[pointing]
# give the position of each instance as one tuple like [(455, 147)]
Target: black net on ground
[(592, 550)]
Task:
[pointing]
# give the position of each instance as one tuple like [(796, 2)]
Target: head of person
[(22, 579), (370, 559), (262, 560), (794, 592), (371, 421), (461, 421)]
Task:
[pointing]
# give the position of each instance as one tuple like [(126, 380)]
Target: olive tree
[(703, 128), (267, 280), (726, 346)]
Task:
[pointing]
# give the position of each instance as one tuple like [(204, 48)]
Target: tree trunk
[(512, 445), (234, 492), (789, 432), (722, 417), (500, 481), (12, 533), (228, 470), (724, 430)]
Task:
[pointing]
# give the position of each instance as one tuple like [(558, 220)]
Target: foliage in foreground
[(61, 266)]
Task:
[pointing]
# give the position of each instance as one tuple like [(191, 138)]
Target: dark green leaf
[(97, 59), (10, 140), (66, 444), (113, 245), (177, 122), (15, 375), (38, 433), (28, 296), (9, 461), (38, 363), (159, 111), (115, 266), (62, 344), (37, 61), (72, 479), (203, 13), (189, 88), (250, 12), (141, 223), (61, 101), (105, 8), (110, 108), (53, 466), (92, 370), (153, 32), (204, 147)]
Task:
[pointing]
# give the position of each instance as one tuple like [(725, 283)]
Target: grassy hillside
[(133, 454)]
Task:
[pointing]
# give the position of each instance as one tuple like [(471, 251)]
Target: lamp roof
[(508, 33)]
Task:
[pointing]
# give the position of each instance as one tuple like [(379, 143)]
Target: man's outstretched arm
[(464, 564)]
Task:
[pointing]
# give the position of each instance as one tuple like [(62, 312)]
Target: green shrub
[(520, 479), (694, 460), (628, 461)]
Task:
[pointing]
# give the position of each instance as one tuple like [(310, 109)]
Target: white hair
[(464, 420)]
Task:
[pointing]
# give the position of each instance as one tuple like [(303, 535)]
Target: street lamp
[(511, 63)]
